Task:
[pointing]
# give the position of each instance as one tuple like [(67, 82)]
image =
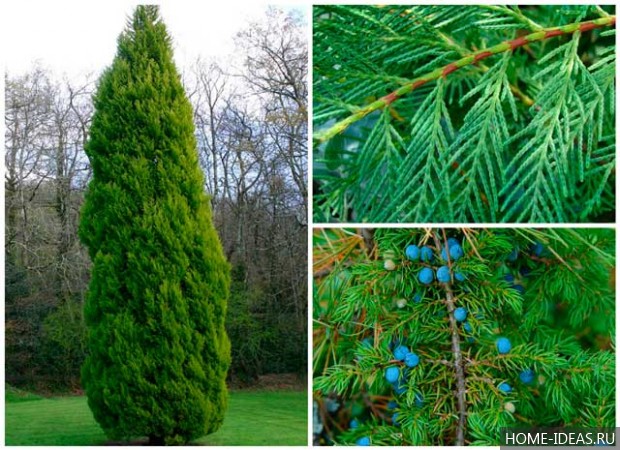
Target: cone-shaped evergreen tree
[(443, 337), (158, 351)]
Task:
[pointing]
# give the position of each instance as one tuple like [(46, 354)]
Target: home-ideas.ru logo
[(558, 437)]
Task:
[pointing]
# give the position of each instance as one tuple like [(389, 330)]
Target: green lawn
[(253, 418)]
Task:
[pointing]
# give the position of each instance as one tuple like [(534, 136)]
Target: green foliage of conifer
[(458, 114), (550, 293), (158, 351)]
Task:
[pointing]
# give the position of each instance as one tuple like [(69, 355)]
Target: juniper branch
[(511, 45), (369, 240), (456, 346)]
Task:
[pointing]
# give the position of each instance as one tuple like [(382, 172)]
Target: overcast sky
[(80, 37)]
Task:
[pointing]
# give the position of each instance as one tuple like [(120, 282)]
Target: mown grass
[(253, 418)]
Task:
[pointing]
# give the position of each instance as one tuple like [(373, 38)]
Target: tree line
[(251, 129)]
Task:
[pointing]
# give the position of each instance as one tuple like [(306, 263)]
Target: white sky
[(75, 38)]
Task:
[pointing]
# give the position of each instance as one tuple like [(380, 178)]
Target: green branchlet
[(560, 322)]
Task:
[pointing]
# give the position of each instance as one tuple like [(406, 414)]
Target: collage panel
[(168, 283), (445, 336), (156, 228), (464, 113)]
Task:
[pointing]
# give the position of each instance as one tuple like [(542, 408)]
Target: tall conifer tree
[(158, 351)]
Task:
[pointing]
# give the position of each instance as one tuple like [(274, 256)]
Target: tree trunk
[(62, 210), (157, 440)]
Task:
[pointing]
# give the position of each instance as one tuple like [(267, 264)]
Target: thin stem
[(373, 406), (487, 380), (369, 240), (326, 271), (600, 11), (456, 345), (444, 362), (463, 51), (512, 45), (527, 100), (516, 14)]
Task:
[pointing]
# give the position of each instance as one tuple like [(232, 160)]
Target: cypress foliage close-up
[(156, 304), (446, 336), (464, 113)]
